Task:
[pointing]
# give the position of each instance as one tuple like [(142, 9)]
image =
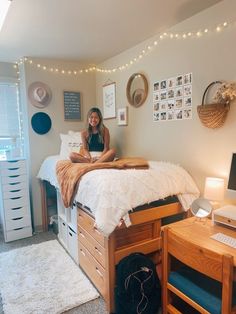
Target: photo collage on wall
[(172, 98)]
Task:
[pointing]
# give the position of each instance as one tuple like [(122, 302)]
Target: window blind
[(11, 129)]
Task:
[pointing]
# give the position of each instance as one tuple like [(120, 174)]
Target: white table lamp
[(214, 189)]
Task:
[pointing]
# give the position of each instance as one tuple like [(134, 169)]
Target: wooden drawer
[(12, 164), (19, 233), (16, 212), (14, 193), (14, 180), (93, 269), (87, 223), (15, 202), (96, 250), (19, 222)]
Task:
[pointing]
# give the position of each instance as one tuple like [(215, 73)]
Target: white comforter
[(111, 193)]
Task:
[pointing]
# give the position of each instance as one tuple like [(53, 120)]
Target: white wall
[(41, 146), (202, 151)]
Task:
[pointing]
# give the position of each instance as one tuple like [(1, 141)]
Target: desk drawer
[(14, 193), (96, 250), (16, 212), (87, 223), (93, 269), (12, 164), (14, 180), (19, 222), (15, 202)]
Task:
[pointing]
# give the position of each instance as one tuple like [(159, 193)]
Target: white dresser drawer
[(62, 234), (14, 193), (15, 186), (14, 180), (19, 233), (19, 222), (15, 202), (17, 212), (72, 240), (12, 164), (9, 172)]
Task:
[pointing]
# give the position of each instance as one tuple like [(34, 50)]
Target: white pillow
[(70, 143), (70, 132)]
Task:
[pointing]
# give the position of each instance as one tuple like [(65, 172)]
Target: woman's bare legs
[(108, 156), (76, 157)]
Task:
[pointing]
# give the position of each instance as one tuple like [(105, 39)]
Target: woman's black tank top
[(95, 145)]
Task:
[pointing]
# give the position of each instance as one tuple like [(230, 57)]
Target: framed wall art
[(72, 105), (109, 101), (122, 116)]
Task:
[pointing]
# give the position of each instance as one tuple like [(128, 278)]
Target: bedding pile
[(112, 193), (69, 173)]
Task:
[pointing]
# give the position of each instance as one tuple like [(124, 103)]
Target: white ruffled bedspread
[(111, 194)]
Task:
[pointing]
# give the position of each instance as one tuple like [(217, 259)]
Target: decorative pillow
[(70, 143), (74, 133)]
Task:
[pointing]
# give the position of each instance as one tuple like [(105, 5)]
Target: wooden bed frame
[(98, 255)]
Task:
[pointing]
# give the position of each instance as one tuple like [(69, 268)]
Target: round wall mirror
[(201, 208), (137, 89)]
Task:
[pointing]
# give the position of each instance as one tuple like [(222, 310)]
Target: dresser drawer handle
[(96, 230), (16, 208), (15, 176), (82, 235), (99, 273), (19, 218), (15, 183), (12, 169), (15, 198), (82, 252), (14, 191), (97, 250)]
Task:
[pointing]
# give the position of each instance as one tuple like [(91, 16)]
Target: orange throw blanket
[(69, 174)]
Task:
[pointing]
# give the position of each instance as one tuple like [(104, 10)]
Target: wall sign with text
[(72, 105)]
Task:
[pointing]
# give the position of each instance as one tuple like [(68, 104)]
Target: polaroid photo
[(188, 78), (163, 116), (156, 97), (163, 105), (187, 113), (171, 93), (156, 106), (171, 82), (163, 95), (179, 114), (179, 92), (156, 86), (187, 101), (170, 115), (179, 80), (187, 90), (178, 103), (170, 104), (163, 84), (156, 116)]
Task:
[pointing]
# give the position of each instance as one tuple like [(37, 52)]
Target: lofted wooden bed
[(99, 255)]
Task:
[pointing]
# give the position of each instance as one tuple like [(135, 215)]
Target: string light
[(144, 52)]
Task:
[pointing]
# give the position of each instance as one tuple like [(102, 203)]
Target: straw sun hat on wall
[(39, 94)]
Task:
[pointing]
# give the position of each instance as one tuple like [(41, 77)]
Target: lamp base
[(225, 215)]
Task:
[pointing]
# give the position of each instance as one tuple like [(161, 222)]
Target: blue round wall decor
[(41, 122)]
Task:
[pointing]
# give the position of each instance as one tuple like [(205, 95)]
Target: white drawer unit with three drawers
[(14, 200)]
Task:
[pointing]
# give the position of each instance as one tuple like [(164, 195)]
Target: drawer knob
[(99, 273), (81, 234), (97, 250), (82, 252)]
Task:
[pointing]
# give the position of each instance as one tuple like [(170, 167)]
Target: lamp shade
[(214, 189)]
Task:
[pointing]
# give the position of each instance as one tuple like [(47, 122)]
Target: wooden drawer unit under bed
[(99, 255)]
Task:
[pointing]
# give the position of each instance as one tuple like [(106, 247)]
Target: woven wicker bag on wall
[(213, 115)]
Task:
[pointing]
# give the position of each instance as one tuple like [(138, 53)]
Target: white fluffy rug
[(42, 279)]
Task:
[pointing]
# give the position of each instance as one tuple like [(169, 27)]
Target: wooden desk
[(199, 231)]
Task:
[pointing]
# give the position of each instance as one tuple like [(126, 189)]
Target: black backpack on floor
[(138, 289)]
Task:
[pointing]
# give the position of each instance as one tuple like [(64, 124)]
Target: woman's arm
[(84, 151), (106, 140)]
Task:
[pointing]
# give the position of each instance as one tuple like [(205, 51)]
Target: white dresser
[(14, 200), (67, 228)]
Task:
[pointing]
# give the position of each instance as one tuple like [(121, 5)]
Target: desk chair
[(204, 279)]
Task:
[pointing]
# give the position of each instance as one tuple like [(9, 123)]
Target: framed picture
[(109, 101), (72, 105), (123, 116)]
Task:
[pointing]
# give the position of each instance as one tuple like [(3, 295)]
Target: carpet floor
[(96, 306)]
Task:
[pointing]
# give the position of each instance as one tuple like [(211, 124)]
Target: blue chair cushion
[(200, 288)]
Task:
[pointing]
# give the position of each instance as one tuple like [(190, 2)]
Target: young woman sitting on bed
[(95, 141)]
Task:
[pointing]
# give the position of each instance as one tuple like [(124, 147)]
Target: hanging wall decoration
[(41, 123), (109, 100), (39, 94), (172, 98)]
